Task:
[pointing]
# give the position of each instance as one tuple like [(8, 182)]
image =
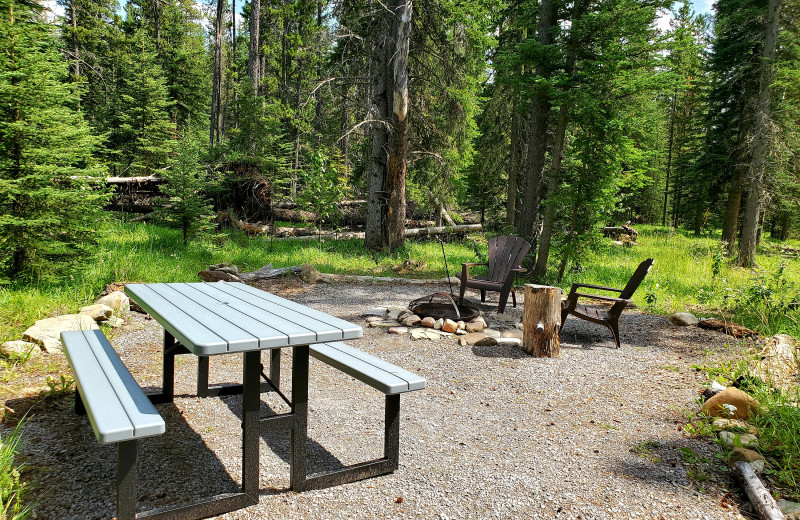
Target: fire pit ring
[(442, 305)]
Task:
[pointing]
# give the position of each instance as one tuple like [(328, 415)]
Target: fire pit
[(442, 305)]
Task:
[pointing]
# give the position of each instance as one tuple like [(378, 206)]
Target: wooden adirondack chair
[(505, 260), (607, 317)]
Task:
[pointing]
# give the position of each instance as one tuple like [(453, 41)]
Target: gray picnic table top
[(222, 317)]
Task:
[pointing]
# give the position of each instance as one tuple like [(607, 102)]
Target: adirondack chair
[(608, 317), (505, 259)]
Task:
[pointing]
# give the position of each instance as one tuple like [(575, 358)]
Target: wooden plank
[(191, 333), (379, 374), (140, 411), (293, 332), (109, 421), (314, 319)]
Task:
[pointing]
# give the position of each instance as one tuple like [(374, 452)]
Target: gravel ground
[(593, 434)]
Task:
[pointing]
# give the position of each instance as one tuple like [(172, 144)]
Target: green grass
[(11, 489)]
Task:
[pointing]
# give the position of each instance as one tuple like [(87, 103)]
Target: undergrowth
[(11, 488)]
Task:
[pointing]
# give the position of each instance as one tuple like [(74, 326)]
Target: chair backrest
[(505, 254), (636, 279)]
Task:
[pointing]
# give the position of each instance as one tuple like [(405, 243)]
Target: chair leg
[(614, 330), (483, 296), (514, 297), (501, 305)]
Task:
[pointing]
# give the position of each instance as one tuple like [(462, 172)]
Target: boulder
[(20, 349), (683, 319), (427, 321), (509, 342), (438, 324), (98, 311), (375, 311), (791, 510), (752, 457), (398, 330), (738, 440), (730, 403), (449, 326), (47, 332), (309, 274), (412, 320), (117, 300)]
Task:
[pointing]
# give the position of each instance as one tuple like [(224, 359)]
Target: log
[(230, 273), (134, 180), (759, 496), (541, 320), (417, 232)]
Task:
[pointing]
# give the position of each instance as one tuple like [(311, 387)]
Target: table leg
[(168, 381), (297, 457), (202, 376), (251, 408), (275, 367)]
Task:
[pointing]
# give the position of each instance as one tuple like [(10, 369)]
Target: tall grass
[(11, 488)]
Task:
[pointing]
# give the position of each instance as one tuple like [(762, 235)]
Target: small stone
[(402, 315), (683, 319), (513, 333), (461, 332), (475, 326), (486, 341), (427, 322), (375, 311), (398, 330), (752, 457), (370, 319), (97, 312), (471, 338), (438, 324), (509, 342), (461, 325), (393, 315), (418, 334), (742, 440), (791, 510), (382, 323), (733, 424), (449, 326), (20, 349), (412, 320), (309, 274), (117, 300), (732, 403)]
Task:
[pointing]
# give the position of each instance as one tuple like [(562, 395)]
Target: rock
[(412, 320), (375, 311), (461, 325), (475, 326), (449, 326), (383, 323), (754, 458), (461, 332), (20, 349), (398, 330), (486, 341), (519, 326), (493, 333), (393, 315), (513, 333), (427, 322), (730, 403), (53, 346), (509, 342), (47, 332), (402, 315), (370, 319), (478, 339), (98, 312), (309, 274), (438, 324), (683, 319), (117, 300), (115, 322), (738, 440), (733, 424), (791, 510), (425, 334)]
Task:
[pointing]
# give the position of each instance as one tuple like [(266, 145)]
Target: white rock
[(791, 510), (732, 440), (98, 311), (47, 332), (20, 349), (375, 311), (393, 315), (716, 387), (492, 333), (398, 330), (683, 319), (509, 342), (438, 324), (117, 300)]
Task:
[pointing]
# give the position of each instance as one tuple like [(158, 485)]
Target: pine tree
[(48, 203)]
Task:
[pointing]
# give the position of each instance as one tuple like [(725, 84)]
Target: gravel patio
[(593, 434)]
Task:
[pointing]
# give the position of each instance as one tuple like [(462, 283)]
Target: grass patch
[(11, 488)]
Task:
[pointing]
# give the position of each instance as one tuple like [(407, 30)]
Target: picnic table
[(211, 319)]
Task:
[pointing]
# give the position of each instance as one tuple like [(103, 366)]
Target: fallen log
[(230, 273), (134, 180), (759, 496), (728, 327), (413, 232)]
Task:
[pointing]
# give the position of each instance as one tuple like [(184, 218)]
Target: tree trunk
[(513, 171), (732, 207), (215, 130), (392, 199), (670, 145), (541, 320), (761, 141), (537, 139), (253, 61), (786, 225)]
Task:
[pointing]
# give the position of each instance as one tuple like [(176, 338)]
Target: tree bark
[(253, 62), (761, 138), (537, 139), (215, 131), (732, 208), (541, 320)]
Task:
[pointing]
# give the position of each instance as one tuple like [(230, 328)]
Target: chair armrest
[(589, 286), (465, 269), (599, 297), (519, 270), (470, 264)]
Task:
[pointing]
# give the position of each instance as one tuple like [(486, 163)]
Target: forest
[(546, 119)]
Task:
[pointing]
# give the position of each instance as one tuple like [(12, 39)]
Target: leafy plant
[(11, 486), (59, 387)]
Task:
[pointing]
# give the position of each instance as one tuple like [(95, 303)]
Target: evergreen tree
[(48, 203)]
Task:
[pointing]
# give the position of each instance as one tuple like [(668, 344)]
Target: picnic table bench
[(117, 408)]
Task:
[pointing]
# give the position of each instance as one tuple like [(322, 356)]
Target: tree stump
[(541, 320)]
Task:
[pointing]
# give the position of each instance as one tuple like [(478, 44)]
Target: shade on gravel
[(593, 434)]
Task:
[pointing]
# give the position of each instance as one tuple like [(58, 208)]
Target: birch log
[(759, 496), (541, 320)]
